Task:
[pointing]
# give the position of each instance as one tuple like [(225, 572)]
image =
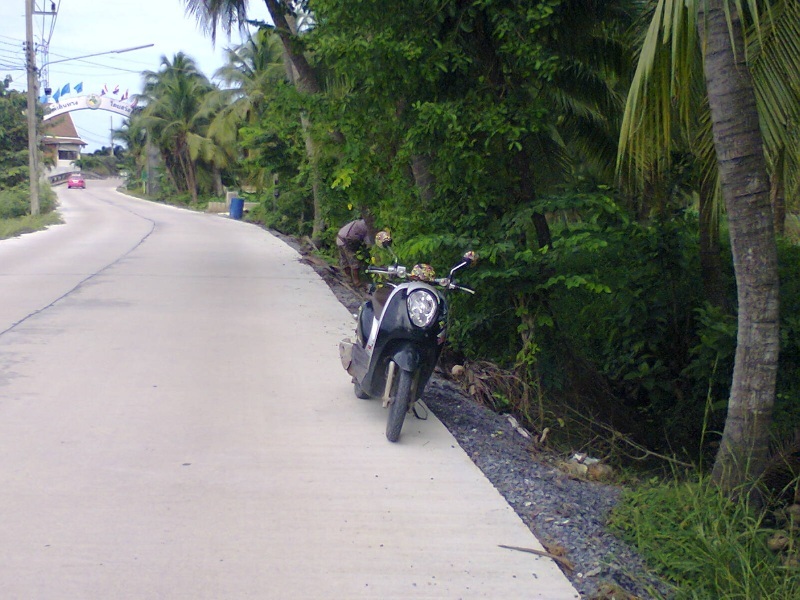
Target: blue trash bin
[(237, 208)]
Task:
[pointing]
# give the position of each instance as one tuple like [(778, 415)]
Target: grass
[(27, 224), (706, 545)]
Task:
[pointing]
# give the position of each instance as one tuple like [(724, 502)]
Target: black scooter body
[(391, 357), (411, 348)]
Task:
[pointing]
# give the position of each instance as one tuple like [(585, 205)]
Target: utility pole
[(33, 146)]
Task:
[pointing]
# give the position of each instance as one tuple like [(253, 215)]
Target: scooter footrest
[(346, 354)]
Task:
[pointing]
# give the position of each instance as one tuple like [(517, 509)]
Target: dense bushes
[(15, 201), (14, 172), (611, 318)]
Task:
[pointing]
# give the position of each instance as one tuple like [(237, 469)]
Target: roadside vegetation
[(15, 218), (639, 292), (27, 224), (708, 546)]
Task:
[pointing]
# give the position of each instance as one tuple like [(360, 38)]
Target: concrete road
[(175, 423)]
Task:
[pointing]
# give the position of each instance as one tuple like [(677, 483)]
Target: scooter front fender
[(407, 358)]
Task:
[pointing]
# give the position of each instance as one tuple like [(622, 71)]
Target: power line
[(94, 137), (8, 37)]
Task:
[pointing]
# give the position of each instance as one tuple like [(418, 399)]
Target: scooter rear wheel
[(399, 406)]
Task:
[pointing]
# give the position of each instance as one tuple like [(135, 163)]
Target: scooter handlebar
[(449, 284), (401, 272), (392, 271)]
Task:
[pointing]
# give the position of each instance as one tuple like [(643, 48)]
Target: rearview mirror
[(383, 239)]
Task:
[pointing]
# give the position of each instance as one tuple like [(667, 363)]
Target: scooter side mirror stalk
[(469, 259)]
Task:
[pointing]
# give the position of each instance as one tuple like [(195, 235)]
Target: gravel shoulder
[(566, 513)]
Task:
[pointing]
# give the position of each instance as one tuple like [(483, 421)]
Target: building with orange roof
[(62, 144)]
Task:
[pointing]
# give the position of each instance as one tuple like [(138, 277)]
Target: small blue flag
[(65, 90), (56, 96), (78, 87)]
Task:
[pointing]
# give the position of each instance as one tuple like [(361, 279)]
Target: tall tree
[(694, 78), (745, 187)]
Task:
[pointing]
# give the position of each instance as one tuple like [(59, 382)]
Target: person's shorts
[(348, 258)]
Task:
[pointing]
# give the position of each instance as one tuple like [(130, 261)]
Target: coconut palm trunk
[(306, 81), (745, 188)]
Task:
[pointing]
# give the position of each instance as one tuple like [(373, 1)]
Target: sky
[(82, 27)]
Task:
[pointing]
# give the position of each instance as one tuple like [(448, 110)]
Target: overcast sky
[(83, 27)]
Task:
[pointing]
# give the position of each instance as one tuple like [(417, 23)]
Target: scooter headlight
[(422, 308)]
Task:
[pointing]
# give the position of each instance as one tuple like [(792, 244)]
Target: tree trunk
[(318, 225), (290, 62), (423, 178), (743, 449), (525, 193), (187, 167), (306, 80), (219, 189)]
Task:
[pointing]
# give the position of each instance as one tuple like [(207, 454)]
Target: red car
[(76, 181)]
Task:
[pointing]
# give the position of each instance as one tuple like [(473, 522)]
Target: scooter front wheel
[(399, 406)]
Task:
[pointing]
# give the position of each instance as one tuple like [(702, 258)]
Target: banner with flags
[(92, 102), (61, 92), (59, 95)]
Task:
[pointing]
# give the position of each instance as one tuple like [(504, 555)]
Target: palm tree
[(667, 114), (251, 72), (693, 69), (173, 117), (744, 183), (213, 13)]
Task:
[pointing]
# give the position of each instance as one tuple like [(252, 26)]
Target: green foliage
[(492, 125), (177, 118), (708, 546), (102, 165), (713, 352), (787, 405), (14, 172), (642, 331), (14, 202), (13, 139)]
